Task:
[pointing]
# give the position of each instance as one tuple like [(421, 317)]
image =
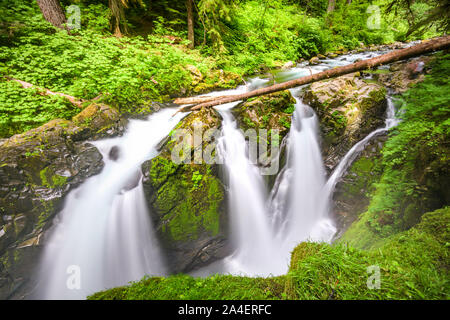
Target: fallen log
[(419, 49), (45, 92), (196, 100)]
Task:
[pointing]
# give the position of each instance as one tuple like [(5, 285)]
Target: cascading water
[(247, 208), (104, 229), (104, 234), (298, 203), (264, 233)]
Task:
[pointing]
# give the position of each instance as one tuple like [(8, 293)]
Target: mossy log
[(46, 92)]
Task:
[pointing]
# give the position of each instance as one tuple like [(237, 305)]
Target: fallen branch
[(45, 92), (419, 49)]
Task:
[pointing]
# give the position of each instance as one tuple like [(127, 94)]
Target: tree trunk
[(331, 5), (190, 23), (52, 12), (419, 49), (117, 8)]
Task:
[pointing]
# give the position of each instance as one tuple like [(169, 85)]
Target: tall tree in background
[(117, 8), (190, 22), (52, 12), (331, 5)]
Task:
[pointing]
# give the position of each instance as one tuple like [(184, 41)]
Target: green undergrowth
[(412, 265), (23, 109), (132, 71), (415, 162)]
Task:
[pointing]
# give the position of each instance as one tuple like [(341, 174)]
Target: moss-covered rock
[(187, 200), (349, 109), (270, 112)]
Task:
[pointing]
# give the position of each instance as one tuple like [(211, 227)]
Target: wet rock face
[(349, 108), (352, 193), (37, 169), (187, 201)]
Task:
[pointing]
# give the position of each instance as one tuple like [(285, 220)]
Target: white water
[(298, 202), (104, 229), (251, 232)]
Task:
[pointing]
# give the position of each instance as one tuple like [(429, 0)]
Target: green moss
[(375, 98), (161, 169), (51, 180), (336, 123), (290, 108), (188, 198)]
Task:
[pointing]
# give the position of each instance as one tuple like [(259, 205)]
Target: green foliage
[(424, 17), (264, 35), (213, 12), (196, 178)]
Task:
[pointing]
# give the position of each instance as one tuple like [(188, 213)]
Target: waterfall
[(104, 235), (251, 233), (390, 122), (298, 202)]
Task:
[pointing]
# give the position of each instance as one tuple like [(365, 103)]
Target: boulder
[(38, 168), (187, 200), (271, 111), (314, 61), (349, 108)]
